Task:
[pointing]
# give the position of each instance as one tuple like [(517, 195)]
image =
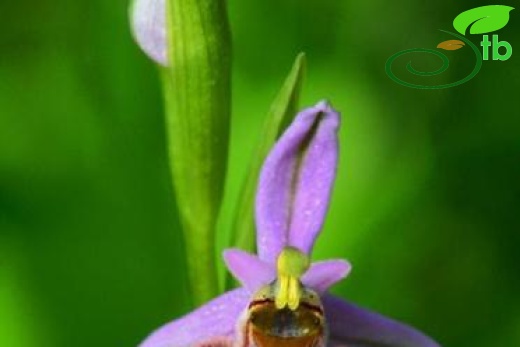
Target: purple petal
[(148, 22), (217, 341), (215, 319), (252, 272), (353, 326), (323, 274), (295, 183)]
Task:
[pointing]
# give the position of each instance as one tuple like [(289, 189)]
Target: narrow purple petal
[(353, 326), (295, 183), (252, 272), (215, 319), (148, 22), (323, 274)]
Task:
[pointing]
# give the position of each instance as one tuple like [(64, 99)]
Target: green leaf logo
[(482, 20)]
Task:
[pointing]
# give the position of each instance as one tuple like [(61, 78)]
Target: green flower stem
[(198, 95)]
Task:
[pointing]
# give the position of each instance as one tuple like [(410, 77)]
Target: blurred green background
[(426, 201)]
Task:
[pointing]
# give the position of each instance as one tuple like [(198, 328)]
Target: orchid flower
[(283, 300)]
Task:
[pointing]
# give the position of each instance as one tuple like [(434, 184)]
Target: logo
[(480, 21)]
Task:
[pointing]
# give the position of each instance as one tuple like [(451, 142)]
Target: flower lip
[(286, 323), (267, 320)]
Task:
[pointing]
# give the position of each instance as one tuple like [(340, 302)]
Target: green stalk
[(197, 96)]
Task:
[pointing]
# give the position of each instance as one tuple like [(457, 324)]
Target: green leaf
[(482, 20), (198, 96), (281, 113)]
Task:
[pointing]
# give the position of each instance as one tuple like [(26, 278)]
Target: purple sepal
[(296, 181), (216, 318), (350, 325)]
